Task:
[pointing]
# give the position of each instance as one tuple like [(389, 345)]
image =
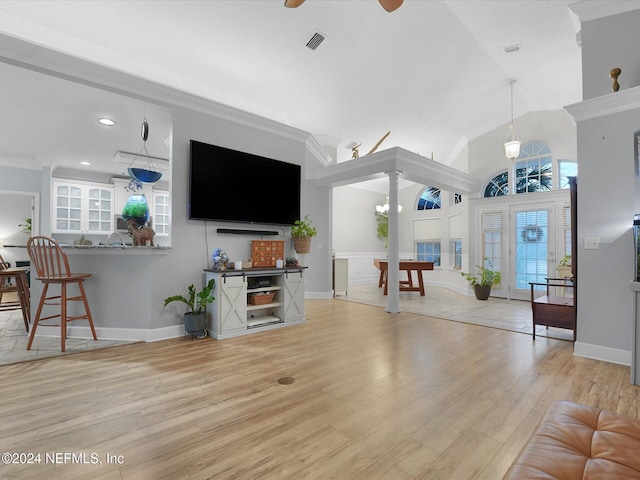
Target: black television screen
[(231, 186)]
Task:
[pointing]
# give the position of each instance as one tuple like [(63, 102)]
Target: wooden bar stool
[(52, 268), (21, 288)]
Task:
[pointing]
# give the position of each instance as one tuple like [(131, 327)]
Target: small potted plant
[(195, 319), (564, 267), (301, 232), (483, 281), (26, 226)]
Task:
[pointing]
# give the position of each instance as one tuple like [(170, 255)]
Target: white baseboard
[(124, 334), (597, 352), (322, 295)]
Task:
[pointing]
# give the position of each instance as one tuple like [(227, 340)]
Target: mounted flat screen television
[(230, 186)]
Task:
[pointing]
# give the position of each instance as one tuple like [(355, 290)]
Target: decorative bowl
[(144, 175)]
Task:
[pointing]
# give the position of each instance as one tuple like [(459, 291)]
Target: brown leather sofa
[(575, 441)]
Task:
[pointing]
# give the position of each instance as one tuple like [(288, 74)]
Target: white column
[(393, 275)]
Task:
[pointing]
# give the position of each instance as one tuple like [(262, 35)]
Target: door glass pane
[(492, 240), (532, 234)]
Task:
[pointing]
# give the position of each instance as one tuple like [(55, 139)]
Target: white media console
[(239, 308)]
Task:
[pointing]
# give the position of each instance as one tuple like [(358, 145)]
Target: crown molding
[(590, 10), (617, 102)]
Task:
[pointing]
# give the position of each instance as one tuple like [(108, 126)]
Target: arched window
[(498, 185), (534, 170), (430, 199)]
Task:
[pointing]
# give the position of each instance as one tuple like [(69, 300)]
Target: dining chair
[(52, 268), (20, 288), (3, 281)]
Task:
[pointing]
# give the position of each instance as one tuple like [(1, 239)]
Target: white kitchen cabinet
[(84, 208)]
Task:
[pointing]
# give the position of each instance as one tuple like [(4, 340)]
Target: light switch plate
[(591, 243)]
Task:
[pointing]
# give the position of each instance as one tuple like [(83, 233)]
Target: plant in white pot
[(195, 319), (483, 280), (302, 232)]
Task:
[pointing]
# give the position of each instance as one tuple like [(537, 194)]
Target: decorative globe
[(137, 209), (219, 258)]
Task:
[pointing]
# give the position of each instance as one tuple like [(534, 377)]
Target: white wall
[(14, 209), (607, 194), (607, 43), (355, 231)]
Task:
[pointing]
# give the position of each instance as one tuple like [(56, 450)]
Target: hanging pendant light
[(512, 144), (149, 173)]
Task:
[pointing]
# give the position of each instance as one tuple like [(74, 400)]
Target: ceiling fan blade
[(293, 3), (390, 5)]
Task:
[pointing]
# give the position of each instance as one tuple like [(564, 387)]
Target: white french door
[(532, 238)]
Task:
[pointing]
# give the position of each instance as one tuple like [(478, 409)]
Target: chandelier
[(384, 209), (511, 143)]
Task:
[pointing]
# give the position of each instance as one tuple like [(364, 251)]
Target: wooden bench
[(553, 310)]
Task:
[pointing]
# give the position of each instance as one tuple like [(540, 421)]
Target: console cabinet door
[(293, 296), (232, 304)]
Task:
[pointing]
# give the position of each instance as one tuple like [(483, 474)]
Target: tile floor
[(13, 340), (513, 315)]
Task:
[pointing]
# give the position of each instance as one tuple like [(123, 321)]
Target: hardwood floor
[(375, 396)]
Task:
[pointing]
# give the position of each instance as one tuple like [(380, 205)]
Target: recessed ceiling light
[(106, 121), (85, 163)]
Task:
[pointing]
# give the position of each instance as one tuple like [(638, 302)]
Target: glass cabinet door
[(68, 208), (100, 210), (82, 208)]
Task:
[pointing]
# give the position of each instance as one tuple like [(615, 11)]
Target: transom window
[(430, 199), (534, 170), (567, 169), (498, 185), (533, 173)]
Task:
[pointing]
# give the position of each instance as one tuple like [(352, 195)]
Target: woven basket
[(261, 298), (302, 244)]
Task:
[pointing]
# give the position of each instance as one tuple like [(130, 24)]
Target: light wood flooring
[(375, 396)]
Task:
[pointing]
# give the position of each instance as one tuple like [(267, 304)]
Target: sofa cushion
[(575, 441)]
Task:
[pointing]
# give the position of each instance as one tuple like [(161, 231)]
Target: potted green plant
[(195, 319), (26, 226), (301, 232), (483, 280), (564, 267), (383, 227)]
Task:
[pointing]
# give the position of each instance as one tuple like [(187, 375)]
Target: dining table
[(409, 266)]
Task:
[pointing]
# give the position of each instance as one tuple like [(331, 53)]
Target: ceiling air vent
[(315, 40), (511, 48)]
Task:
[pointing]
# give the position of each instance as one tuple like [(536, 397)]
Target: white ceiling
[(433, 72), (47, 121)]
